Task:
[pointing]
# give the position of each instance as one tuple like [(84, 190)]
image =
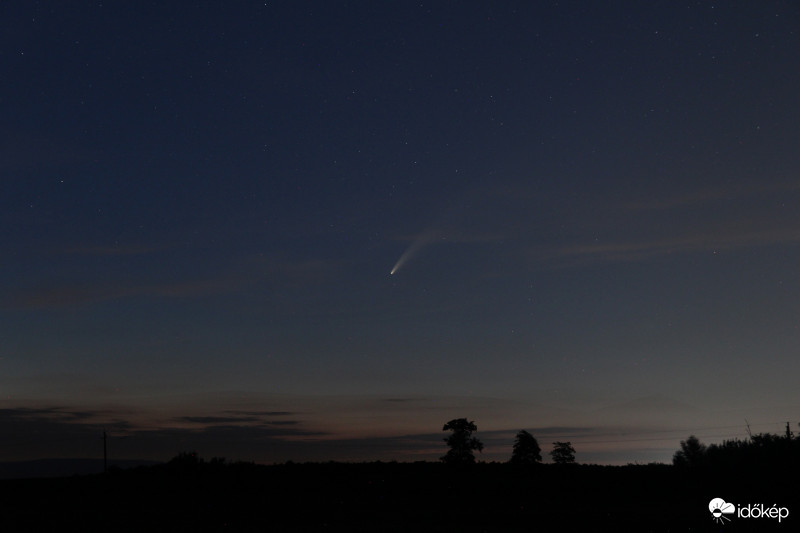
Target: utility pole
[(105, 453)]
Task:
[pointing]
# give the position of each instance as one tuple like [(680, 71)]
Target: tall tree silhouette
[(563, 453), (461, 442), (526, 450)]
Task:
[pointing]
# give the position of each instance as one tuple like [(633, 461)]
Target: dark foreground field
[(387, 497)]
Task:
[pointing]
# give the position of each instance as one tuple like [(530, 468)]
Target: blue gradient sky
[(201, 204)]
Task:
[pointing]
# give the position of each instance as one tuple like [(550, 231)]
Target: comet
[(413, 249)]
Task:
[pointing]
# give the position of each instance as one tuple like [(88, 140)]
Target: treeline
[(526, 448), (761, 450)]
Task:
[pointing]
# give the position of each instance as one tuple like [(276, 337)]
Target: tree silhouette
[(186, 462), (526, 450), (563, 453), (692, 452), (461, 442)]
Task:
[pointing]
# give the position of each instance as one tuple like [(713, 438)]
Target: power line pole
[(105, 453)]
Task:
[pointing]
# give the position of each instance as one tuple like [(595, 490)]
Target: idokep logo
[(719, 508)]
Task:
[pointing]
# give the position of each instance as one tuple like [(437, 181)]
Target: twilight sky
[(597, 207)]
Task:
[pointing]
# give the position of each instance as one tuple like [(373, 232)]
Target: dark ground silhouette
[(189, 495)]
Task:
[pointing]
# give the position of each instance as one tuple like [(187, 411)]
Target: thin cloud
[(260, 413), (112, 251), (78, 294), (39, 152), (713, 194), (63, 431), (250, 271), (638, 250), (210, 420), (50, 413), (277, 265), (239, 419)]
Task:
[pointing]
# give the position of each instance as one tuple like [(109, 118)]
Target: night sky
[(591, 211)]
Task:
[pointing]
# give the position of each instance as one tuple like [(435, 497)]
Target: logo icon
[(719, 508)]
